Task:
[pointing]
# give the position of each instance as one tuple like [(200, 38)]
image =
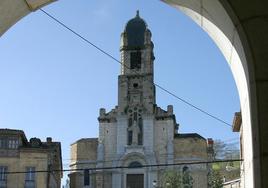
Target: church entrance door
[(135, 181)]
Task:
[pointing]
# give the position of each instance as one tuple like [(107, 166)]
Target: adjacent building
[(137, 134), (237, 126), (17, 154)]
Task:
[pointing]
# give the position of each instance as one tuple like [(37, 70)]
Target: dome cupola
[(135, 31)]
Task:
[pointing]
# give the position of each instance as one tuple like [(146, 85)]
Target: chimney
[(102, 111), (210, 148), (170, 109), (49, 139)]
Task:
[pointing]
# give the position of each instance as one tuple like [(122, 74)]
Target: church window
[(140, 135), (135, 164), (129, 133), (135, 60), (135, 116)]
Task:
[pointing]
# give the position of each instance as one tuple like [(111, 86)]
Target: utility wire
[(112, 57), (124, 167), (113, 159)]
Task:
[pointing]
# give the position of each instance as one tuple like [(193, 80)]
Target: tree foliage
[(171, 179), (176, 179), (215, 179), (223, 150)]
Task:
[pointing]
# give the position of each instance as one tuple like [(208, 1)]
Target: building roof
[(85, 140), (189, 135), (14, 132), (135, 29), (36, 145)]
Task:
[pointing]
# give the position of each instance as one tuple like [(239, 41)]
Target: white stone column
[(148, 133), (116, 180), (151, 177), (121, 134), (170, 138)]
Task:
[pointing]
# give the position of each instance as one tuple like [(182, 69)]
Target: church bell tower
[(136, 80), (136, 95), (136, 131)]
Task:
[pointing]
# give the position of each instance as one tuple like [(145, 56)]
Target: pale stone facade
[(17, 154), (137, 132)]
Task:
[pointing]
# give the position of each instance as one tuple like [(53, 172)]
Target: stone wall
[(164, 132), (39, 160), (192, 148), (83, 156)]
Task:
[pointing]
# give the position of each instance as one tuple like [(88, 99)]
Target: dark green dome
[(135, 29)]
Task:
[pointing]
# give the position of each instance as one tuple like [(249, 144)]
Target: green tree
[(215, 179), (219, 149), (171, 179), (187, 179)]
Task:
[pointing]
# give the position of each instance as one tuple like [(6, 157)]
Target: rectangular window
[(13, 143), (30, 177), (86, 177), (3, 177), (3, 143)]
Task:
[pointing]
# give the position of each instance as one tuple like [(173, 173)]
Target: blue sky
[(53, 84)]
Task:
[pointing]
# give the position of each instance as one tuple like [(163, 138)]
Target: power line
[(115, 59), (124, 167), (113, 159)]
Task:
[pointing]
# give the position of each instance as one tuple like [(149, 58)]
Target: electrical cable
[(125, 167), (112, 159), (110, 56)]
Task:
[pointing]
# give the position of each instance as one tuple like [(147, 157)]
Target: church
[(137, 138)]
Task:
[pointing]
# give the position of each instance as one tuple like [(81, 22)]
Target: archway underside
[(241, 34)]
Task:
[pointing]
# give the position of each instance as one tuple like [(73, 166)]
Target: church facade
[(137, 137)]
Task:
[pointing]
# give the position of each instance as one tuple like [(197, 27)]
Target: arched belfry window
[(135, 60), (135, 127)]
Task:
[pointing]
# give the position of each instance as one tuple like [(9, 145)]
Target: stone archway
[(240, 31), (214, 19)]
